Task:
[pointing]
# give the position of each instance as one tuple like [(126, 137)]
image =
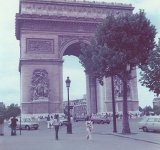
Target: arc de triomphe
[(48, 30)]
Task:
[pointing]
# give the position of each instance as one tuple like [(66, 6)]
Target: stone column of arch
[(91, 94), (133, 99)]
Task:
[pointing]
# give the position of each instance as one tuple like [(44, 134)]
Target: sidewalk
[(145, 137)]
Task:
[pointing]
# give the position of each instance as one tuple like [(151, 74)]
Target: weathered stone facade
[(48, 30)]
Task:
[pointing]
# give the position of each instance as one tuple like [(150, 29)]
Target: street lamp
[(69, 125)]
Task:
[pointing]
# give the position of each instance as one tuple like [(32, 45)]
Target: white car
[(150, 123), (26, 123), (63, 120)]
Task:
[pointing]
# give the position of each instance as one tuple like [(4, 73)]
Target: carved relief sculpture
[(40, 84), (49, 29), (118, 87)]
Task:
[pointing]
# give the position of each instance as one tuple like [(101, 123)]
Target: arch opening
[(75, 71)]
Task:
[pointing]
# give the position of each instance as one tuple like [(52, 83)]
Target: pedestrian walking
[(13, 125), (48, 122), (56, 124), (89, 127), (51, 122)]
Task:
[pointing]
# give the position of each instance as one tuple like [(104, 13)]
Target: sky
[(10, 54)]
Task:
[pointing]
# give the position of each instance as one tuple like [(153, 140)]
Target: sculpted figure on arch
[(40, 84)]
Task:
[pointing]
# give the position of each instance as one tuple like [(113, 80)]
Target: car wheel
[(145, 129), (27, 127)]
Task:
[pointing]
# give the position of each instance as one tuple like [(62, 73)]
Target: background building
[(156, 101)]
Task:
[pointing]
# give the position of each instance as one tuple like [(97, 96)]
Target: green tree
[(123, 42), (12, 110), (2, 109), (147, 110), (150, 74), (2, 113), (140, 109), (89, 59)]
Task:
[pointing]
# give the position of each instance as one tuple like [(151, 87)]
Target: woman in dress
[(89, 127)]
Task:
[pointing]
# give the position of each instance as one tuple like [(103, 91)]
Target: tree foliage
[(2, 109), (130, 38), (150, 74), (140, 109), (147, 110), (90, 59), (120, 42), (12, 110)]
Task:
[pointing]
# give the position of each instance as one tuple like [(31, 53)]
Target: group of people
[(56, 123)]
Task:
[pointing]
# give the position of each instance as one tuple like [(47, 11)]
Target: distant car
[(100, 119), (63, 120), (150, 123), (79, 118), (26, 123)]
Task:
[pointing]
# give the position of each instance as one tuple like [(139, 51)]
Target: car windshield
[(27, 119)]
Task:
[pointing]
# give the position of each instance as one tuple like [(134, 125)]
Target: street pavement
[(103, 139)]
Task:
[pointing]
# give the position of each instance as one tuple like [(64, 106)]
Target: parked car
[(63, 120), (26, 123), (100, 119), (150, 123)]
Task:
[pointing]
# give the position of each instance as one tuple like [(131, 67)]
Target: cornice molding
[(67, 11), (41, 60), (73, 8), (60, 24)]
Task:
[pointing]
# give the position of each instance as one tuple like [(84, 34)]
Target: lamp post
[(69, 125), (20, 122)]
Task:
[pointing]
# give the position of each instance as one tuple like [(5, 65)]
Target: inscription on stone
[(40, 45)]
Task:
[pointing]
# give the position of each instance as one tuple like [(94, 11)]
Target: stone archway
[(47, 30)]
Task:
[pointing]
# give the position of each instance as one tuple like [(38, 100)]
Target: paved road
[(103, 138)]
